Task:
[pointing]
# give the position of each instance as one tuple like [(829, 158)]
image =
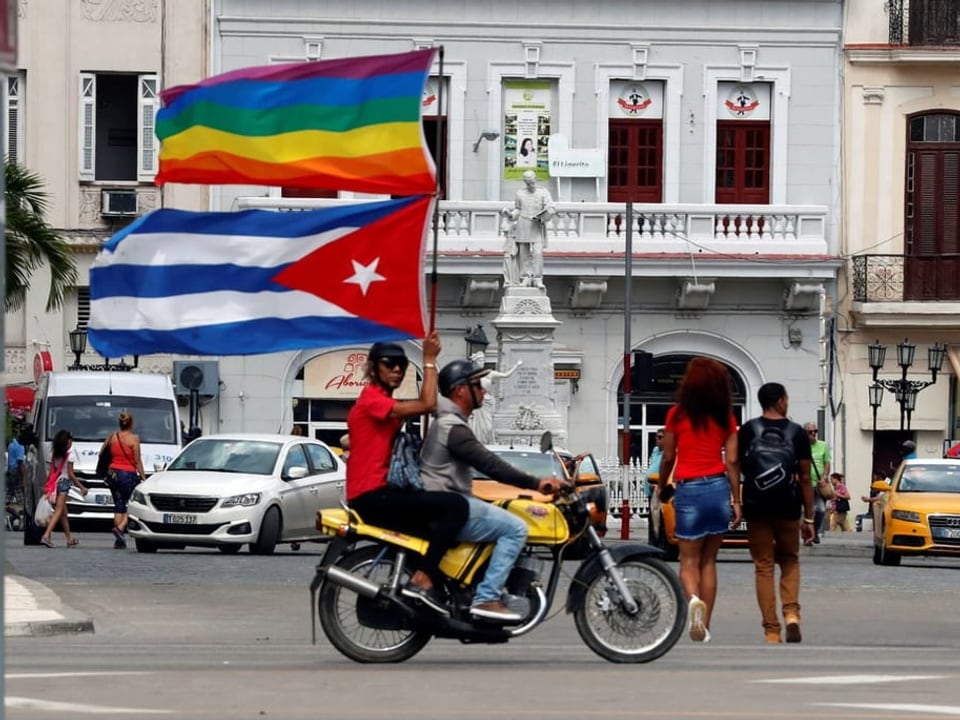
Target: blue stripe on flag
[(139, 281), (249, 337)]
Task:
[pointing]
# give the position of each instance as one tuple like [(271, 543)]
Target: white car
[(227, 491)]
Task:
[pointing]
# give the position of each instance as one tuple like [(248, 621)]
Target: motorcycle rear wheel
[(619, 637), (366, 630)]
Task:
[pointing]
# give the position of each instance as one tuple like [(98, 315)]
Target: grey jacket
[(451, 450)]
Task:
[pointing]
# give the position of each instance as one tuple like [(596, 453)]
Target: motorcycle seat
[(337, 522)]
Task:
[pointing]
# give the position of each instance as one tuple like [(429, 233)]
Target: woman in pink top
[(700, 449)]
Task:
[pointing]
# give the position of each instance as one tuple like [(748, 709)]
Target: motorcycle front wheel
[(617, 636), (364, 629)]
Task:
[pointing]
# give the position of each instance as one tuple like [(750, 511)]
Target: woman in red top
[(126, 470), (700, 449), (373, 422)]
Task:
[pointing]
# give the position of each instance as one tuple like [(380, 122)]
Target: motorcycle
[(628, 604)]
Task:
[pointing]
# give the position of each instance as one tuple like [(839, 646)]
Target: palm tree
[(31, 242)]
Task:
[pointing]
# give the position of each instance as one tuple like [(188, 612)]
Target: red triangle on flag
[(374, 272)]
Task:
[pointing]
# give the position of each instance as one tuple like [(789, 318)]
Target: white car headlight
[(138, 497), (244, 500)]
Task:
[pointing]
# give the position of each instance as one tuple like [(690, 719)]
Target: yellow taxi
[(662, 523), (918, 513)]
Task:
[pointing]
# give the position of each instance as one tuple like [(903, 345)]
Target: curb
[(30, 613)]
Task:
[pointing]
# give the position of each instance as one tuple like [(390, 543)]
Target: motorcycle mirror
[(546, 442)]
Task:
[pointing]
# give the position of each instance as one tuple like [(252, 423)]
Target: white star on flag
[(365, 275)]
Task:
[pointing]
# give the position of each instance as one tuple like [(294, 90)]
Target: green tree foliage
[(31, 242)]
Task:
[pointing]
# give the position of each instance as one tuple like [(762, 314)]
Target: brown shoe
[(793, 628), (772, 637), (495, 610)]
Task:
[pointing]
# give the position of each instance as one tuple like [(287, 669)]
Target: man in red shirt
[(373, 423)]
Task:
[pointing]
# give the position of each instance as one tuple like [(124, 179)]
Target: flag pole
[(441, 163)]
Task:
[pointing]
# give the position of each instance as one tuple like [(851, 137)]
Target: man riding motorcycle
[(449, 452)]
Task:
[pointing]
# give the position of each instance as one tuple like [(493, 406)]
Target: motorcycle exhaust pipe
[(359, 585)]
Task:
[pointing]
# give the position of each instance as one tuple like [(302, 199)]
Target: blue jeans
[(489, 523)]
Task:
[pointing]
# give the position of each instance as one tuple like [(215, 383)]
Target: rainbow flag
[(347, 124)]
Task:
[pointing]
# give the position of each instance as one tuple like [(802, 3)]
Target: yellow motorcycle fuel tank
[(545, 523)]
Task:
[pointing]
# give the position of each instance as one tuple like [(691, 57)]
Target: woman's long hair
[(61, 444), (705, 393)]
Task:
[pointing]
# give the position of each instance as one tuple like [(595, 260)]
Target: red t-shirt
[(371, 440), (699, 452)]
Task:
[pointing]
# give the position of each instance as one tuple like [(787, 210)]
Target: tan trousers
[(775, 542)]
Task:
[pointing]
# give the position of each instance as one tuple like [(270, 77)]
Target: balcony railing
[(924, 22), (468, 225), (899, 278)]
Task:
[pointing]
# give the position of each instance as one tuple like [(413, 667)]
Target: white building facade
[(719, 121)]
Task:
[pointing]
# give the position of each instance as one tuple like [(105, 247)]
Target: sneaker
[(816, 539), (793, 628), (698, 631), (428, 596), (495, 610), (120, 541), (772, 637)]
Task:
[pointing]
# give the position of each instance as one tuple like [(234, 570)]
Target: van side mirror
[(880, 486)]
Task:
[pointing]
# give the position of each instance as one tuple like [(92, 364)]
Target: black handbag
[(104, 460)]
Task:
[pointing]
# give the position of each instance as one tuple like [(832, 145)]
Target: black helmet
[(908, 446), (385, 350), (459, 372)]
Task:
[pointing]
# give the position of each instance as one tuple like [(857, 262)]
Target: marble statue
[(481, 420), (523, 249)]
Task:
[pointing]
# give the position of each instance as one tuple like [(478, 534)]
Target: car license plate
[(177, 519), (947, 533), (103, 499)]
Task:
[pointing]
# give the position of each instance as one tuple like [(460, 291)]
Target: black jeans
[(434, 516)]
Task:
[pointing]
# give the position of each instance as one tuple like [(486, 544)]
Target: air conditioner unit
[(200, 375), (118, 203)]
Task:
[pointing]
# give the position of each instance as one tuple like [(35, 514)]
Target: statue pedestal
[(526, 401)]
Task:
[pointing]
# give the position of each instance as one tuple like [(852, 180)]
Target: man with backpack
[(774, 456)]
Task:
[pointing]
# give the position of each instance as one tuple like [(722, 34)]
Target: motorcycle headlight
[(244, 500), (138, 497), (905, 515)]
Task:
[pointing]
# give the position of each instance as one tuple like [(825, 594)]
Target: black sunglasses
[(394, 363)]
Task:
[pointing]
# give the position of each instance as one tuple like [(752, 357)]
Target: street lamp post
[(875, 394), (904, 391), (78, 346), (476, 340)]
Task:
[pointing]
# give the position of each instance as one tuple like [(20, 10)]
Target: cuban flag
[(258, 281)]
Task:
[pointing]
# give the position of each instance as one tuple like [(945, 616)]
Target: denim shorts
[(702, 507), (122, 488), (63, 485)]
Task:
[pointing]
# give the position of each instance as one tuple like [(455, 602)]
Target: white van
[(88, 406)]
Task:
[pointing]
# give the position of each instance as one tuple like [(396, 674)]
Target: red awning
[(20, 397)]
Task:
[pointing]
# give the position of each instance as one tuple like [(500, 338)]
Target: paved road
[(202, 635)]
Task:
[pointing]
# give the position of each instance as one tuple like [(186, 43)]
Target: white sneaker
[(698, 631)]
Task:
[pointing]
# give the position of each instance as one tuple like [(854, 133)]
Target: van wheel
[(269, 533)]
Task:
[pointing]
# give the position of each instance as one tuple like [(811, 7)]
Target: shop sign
[(340, 375)]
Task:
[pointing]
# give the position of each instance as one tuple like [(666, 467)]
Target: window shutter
[(146, 116), (88, 126), (83, 306), (13, 118)]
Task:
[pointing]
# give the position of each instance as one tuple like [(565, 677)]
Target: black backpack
[(768, 468)]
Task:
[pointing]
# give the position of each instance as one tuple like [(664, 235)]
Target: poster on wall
[(526, 128)]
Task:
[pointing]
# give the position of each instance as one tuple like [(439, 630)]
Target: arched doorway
[(649, 404)]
